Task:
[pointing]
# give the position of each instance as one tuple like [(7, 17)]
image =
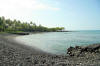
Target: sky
[(71, 14)]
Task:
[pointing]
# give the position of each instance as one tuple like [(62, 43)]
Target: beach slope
[(15, 54)]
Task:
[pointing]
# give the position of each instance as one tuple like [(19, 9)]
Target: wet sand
[(13, 53)]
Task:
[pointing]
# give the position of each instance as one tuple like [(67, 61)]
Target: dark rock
[(43, 61), (79, 50), (36, 61), (28, 59), (69, 51), (53, 63), (21, 33)]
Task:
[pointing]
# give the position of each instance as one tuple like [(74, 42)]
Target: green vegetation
[(7, 25)]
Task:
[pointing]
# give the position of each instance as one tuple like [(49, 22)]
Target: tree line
[(8, 25)]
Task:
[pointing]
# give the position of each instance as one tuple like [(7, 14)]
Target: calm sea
[(58, 42)]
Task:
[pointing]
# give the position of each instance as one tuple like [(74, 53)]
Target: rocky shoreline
[(14, 54), (83, 50)]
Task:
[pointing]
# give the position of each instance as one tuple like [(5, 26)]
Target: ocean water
[(58, 42)]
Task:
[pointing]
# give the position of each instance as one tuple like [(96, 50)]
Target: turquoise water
[(58, 42)]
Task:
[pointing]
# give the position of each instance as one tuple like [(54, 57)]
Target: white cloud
[(25, 4), (23, 9), (46, 7)]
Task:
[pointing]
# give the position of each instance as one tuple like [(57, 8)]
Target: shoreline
[(10, 38), (15, 54)]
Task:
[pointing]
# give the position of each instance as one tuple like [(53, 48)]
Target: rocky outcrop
[(83, 50), (21, 33)]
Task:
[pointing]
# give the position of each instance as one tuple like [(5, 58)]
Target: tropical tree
[(16, 25)]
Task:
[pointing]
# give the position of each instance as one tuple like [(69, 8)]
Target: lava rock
[(79, 50)]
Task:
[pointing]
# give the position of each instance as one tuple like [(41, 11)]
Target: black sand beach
[(14, 54)]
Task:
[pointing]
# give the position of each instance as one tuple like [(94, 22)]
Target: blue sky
[(71, 14)]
